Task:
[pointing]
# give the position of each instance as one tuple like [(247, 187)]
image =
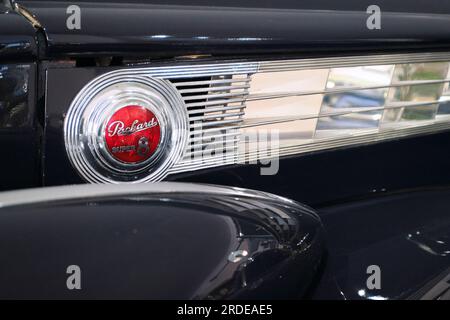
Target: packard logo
[(119, 128), (132, 134)]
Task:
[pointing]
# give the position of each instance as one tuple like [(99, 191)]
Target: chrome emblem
[(125, 128)]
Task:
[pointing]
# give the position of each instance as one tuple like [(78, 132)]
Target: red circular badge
[(132, 134)]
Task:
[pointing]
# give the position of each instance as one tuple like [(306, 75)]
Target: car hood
[(172, 28)]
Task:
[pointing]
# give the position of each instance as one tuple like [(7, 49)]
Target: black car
[(236, 149)]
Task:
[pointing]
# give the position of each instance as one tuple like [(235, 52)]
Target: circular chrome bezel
[(84, 127)]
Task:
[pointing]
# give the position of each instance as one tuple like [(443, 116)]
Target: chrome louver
[(310, 104), (317, 104), (216, 108)]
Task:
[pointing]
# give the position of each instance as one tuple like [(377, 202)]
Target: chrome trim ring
[(94, 105)]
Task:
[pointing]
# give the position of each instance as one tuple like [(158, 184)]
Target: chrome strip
[(249, 123), (350, 61), (332, 143), (255, 97), (86, 192)]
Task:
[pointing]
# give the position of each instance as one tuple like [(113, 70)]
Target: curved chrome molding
[(90, 191)]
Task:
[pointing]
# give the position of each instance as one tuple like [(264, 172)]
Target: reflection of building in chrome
[(420, 101), (443, 112), (308, 106), (255, 249), (249, 246), (304, 109), (349, 108)]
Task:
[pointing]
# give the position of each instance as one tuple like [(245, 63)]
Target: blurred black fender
[(157, 241)]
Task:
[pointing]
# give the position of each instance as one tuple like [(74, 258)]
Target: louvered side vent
[(243, 112), (216, 106)]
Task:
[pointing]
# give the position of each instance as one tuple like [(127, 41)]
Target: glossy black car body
[(169, 241), (372, 199)]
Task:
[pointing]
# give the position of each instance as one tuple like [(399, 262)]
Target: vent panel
[(246, 111)]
